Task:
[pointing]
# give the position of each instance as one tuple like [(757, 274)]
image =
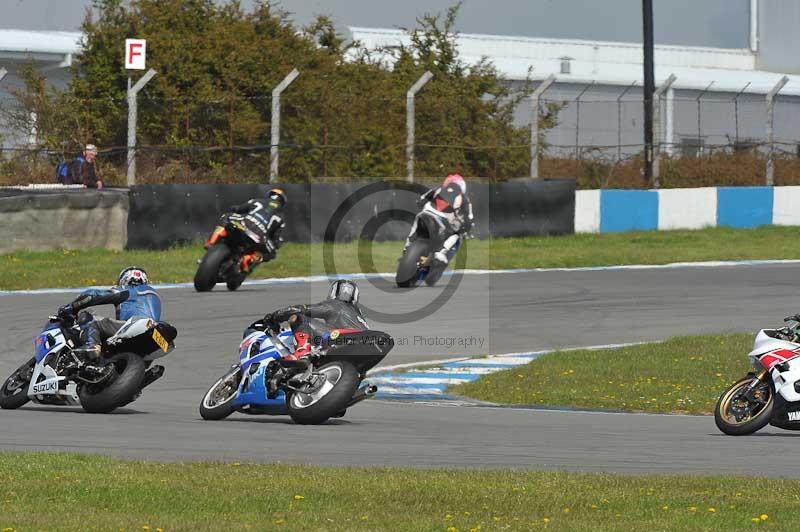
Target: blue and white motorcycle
[(310, 390), (58, 374)]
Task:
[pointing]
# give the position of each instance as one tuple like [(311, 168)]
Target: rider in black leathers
[(310, 323), (269, 216)]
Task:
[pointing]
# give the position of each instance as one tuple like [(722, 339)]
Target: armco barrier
[(74, 220), (164, 215)]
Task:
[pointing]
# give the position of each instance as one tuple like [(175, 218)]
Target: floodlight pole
[(132, 115), (535, 97), (410, 125), (771, 129), (275, 126), (649, 87)]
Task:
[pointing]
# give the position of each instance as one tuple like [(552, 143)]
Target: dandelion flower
[(755, 520), (712, 510), (566, 510), (452, 529), (146, 527), (546, 520), (763, 517), (665, 507), (298, 497), (693, 509), (280, 521)]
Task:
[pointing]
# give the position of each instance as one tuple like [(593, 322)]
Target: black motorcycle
[(417, 263), (59, 374), (236, 236)]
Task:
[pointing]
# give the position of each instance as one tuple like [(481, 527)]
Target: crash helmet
[(455, 179), (132, 275), (276, 198), (344, 290)]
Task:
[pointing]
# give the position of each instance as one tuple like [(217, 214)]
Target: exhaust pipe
[(363, 393)]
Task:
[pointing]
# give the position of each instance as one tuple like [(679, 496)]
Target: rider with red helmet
[(456, 211)]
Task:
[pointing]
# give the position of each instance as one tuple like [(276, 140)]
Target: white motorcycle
[(771, 393), (60, 375)]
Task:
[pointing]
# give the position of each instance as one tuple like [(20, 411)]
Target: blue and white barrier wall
[(609, 211)]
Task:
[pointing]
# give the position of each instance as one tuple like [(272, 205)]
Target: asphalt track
[(507, 312)]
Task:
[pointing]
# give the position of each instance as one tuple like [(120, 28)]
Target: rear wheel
[(407, 269), (118, 389), (208, 270), (14, 392), (218, 400), (338, 381), (738, 415)]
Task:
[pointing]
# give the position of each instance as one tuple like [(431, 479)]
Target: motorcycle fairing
[(45, 384), (252, 394), (782, 359)]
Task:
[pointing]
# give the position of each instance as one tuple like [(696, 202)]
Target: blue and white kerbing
[(611, 211)]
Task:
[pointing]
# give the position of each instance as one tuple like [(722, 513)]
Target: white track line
[(390, 276)]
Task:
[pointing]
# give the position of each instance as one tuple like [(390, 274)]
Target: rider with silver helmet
[(132, 297), (309, 323)]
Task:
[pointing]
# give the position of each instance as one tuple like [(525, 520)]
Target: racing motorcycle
[(310, 390), (237, 235), (432, 228), (58, 374), (770, 394)]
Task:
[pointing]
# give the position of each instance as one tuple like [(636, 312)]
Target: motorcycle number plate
[(160, 340)]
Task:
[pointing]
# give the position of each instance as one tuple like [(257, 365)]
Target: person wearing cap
[(83, 171)]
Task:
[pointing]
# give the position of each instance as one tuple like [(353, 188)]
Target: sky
[(717, 23)]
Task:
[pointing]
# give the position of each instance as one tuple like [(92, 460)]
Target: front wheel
[(125, 383), (14, 392), (218, 402), (407, 270), (337, 382), (738, 415), (208, 270)]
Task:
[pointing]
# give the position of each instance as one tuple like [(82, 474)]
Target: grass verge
[(26, 270), (685, 374), (43, 491)]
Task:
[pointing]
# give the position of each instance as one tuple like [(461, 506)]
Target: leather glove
[(66, 312)]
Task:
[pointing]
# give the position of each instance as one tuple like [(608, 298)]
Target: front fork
[(758, 379)]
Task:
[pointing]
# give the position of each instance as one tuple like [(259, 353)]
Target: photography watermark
[(373, 207)]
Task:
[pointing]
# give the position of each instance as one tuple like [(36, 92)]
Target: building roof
[(604, 62), (40, 45)]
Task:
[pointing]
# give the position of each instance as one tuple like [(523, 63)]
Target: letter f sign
[(135, 53)]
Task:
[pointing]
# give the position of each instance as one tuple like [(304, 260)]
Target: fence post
[(771, 129), (132, 115), (619, 119), (275, 123), (410, 124), (3, 73), (535, 97), (736, 113), (658, 128)]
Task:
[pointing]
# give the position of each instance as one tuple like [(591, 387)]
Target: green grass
[(685, 374), (60, 492), (25, 270)]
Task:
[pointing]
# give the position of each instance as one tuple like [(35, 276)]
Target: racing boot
[(250, 261), (218, 233), (92, 351)]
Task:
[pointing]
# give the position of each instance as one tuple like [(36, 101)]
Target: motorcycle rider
[(310, 323), (269, 217), (458, 216), (132, 297)]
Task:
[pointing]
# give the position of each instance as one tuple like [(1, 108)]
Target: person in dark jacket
[(268, 215), (310, 323), (83, 171)]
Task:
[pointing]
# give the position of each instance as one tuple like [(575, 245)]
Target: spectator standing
[(83, 171)]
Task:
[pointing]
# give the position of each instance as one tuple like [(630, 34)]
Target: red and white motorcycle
[(771, 393)]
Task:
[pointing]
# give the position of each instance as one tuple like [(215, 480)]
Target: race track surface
[(507, 312)]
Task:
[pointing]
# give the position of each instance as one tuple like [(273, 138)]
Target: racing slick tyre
[(125, 383), (328, 398), (14, 392), (208, 270), (218, 402), (407, 272), (757, 416)]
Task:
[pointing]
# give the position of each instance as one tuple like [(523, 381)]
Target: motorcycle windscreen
[(363, 349)]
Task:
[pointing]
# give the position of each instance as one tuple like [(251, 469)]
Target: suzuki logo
[(44, 388), (794, 416)]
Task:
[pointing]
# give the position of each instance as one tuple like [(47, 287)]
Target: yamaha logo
[(794, 416)]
